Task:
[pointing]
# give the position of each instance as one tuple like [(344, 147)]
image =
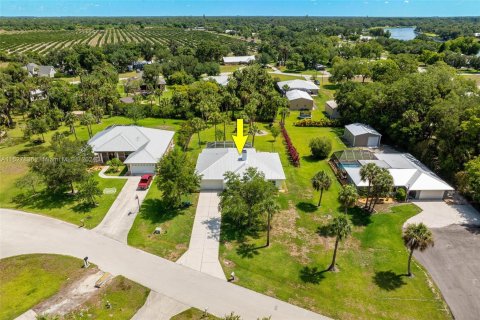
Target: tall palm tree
[(271, 207), (253, 131), (341, 229), (215, 118), (321, 181), (225, 121), (368, 173), (416, 237), (382, 185), (70, 119), (284, 113), (88, 119), (348, 196), (197, 125)]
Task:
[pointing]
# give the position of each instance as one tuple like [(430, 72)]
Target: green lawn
[(176, 226), (285, 77), (194, 314), (29, 279), (369, 285), (58, 206), (125, 298), (229, 68)]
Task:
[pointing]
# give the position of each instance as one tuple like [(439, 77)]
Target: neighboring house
[(78, 113), (139, 148), (298, 84), (366, 38), (213, 163), (37, 94), (331, 109), (127, 100), (221, 80), (476, 34), (34, 70), (299, 100), (320, 67), (361, 135), (238, 60), (407, 172), (138, 65)]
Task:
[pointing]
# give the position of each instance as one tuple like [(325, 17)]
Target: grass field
[(285, 77), (176, 226), (29, 279), (194, 314), (124, 296)]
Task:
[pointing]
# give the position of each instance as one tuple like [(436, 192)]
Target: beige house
[(331, 109), (299, 100)]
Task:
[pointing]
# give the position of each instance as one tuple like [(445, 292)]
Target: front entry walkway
[(202, 253)]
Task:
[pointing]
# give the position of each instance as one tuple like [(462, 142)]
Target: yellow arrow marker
[(239, 139)]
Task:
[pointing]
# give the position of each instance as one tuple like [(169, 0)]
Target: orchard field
[(44, 41)]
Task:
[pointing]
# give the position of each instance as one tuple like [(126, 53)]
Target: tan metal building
[(299, 100), (331, 109)]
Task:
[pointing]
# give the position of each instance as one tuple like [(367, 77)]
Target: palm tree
[(215, 118), (284, 112), (348, 196), (321, 181), (368, 173), (70, 119), (197, 125), (253, 131), (271, 207), (225, 120), (416, 237), (88, 119), (340, 228), (382, 185)]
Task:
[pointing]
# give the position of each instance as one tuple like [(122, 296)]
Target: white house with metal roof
[(238, 60), (138, 147), (331, 109), (298, 84), (213, 163), (299, 100), (420, 182), (221, 79), (361, 135)]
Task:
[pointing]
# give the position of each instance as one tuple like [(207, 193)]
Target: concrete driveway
[(202, 253), (117, 222), (454, 261), (26, 233)]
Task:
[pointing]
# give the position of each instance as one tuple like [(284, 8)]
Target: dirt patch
[(71, 296), (299, 241)]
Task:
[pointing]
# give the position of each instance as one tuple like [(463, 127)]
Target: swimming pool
[(344, 165)]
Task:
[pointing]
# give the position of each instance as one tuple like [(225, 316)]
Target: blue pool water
[(348, 165)]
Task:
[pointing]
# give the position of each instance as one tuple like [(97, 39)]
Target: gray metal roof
[(359, 128)]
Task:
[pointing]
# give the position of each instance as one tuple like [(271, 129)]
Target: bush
[(320, 147), (400, 194), (317, 123), (114, 164)]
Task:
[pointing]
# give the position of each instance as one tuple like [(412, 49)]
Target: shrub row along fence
[(317, 123), (292, 151)]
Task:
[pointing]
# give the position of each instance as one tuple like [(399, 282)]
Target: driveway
[(26, 233), (454, 261), (202, 253), (118, 221)]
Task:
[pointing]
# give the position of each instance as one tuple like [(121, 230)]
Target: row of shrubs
[(292, 151), (324, 122)]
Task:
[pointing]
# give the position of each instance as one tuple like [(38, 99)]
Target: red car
[(145, 181)]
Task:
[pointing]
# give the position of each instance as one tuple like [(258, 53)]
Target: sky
[(373, 8)]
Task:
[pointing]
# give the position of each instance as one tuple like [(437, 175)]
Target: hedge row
[(317, 123)]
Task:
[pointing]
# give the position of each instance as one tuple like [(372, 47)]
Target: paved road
[(202, 253), (117, 221), (25, 233), (454, 264), (454, 261)]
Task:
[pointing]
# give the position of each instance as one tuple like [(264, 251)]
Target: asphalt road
[(24, 233), (454, 264)]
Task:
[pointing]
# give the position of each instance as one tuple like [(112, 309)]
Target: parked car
[(145, 181)]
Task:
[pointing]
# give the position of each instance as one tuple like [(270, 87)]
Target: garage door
[(373, 141), (431, 195), (137, 169), (211, 185)]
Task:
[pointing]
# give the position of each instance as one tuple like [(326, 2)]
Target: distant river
[(402, 33)]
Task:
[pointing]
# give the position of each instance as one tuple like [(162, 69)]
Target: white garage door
[(211, 185), (431, 195), (372, 141), (137, 169)]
